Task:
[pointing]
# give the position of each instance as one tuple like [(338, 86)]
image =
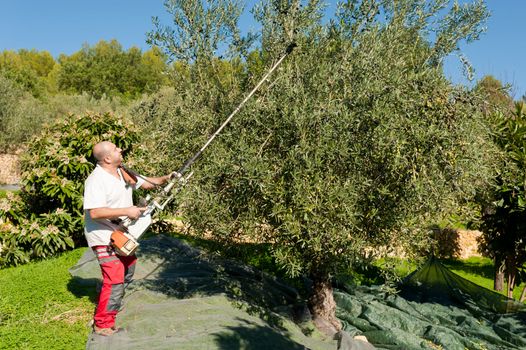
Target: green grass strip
[(480, 271), (40, 308)]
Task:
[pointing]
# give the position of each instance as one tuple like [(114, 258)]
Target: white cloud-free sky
[(63, 26)]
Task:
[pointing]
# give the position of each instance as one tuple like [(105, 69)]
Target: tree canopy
[(29, 69), (106, 69), (357, 145), (504, 207)]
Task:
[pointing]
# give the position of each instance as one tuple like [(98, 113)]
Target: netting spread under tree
[(356, 146)]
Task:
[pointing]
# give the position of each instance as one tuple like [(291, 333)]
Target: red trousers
[(117, 273)]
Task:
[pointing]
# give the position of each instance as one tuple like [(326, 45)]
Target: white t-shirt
[(103, 190)]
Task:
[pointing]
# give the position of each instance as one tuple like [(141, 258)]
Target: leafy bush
[(46, 217)]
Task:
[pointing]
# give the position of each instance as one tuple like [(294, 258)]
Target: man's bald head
[(102, 149)]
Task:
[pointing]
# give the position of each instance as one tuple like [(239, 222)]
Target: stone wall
[(458, 244), (468, 241)]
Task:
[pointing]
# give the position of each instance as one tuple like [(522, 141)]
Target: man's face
[(114, 155)]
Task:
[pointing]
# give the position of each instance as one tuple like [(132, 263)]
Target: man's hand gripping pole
[(125, 240)]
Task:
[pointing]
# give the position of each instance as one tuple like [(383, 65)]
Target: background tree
[(29, 69), (20, 115), (107, 70), (495, 95), (497, 105), (356, 147), (29, 97), (504, 217)]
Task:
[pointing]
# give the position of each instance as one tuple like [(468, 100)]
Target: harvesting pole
[(190, 161), (134, 229)]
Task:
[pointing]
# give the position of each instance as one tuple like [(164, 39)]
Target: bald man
[(108, 198)]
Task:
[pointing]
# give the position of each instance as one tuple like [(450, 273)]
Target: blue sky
[(62, 26)]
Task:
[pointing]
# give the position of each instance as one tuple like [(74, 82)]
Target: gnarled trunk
[(323, 306), (511, 270), (498, 282), (523, 295)]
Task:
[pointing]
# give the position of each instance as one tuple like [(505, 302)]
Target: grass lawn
[(480, 271), (40, 309)]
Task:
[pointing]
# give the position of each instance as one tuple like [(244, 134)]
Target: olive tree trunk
[(512, 274), (498, 282), (323, 306)]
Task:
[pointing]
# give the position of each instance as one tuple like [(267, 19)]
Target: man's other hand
[(134, 212)]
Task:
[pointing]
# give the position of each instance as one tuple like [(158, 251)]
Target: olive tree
[(498, 107), (504, 215), (355, 148)]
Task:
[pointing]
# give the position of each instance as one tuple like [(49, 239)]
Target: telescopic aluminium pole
[(190, 161), (137, 227)]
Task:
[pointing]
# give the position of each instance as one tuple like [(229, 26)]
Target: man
[(108, 198)]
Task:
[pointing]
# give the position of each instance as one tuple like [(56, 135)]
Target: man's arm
[(114, 213), (151, 182)]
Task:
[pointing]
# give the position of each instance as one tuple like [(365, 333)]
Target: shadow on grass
[(473, 267), (82, 287)]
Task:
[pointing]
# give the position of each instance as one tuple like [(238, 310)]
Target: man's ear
[(107, 159)]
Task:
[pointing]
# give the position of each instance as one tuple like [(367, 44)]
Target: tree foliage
[(495, 96), (356, 146), (21, 115), (46, 216), (29, 69), (199, 28), (104, 69), (107, 70), (504, 216)]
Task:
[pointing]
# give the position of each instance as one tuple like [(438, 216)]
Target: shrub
[(46, 217)]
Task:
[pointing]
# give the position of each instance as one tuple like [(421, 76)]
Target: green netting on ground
[(184, 299), (436, 309), (436, 283)]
